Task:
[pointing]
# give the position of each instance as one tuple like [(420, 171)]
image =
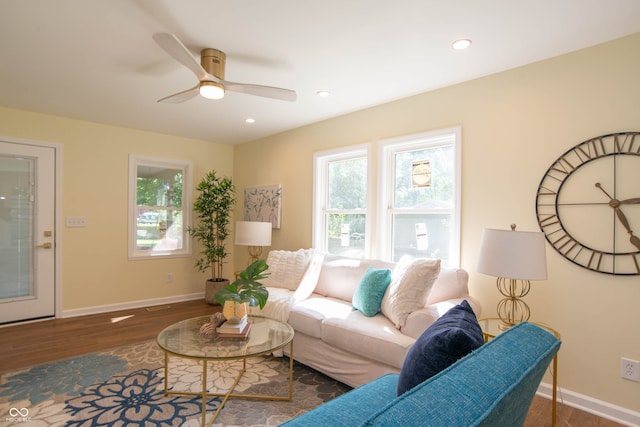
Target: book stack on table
[(234, 330)]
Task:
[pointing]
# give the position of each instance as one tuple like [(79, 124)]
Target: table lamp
[(255, 235), (515, 258)]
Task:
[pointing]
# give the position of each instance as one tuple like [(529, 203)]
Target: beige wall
[(514, 125), (95, 268)]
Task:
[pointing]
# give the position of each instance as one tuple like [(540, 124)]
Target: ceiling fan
[(210, 74)]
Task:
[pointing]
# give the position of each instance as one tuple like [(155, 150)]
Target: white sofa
[(313, 293)]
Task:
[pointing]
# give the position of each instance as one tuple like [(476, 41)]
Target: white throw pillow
[(410, 285), (286, 268), (309, 279)]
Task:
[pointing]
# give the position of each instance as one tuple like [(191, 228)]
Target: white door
[(27, 233)]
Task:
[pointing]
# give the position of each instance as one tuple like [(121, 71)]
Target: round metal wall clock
[(588, 204)]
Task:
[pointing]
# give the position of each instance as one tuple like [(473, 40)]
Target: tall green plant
[(213, 207)]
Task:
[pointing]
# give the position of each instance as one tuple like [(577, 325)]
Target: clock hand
[(607, 194), (633, 201), (623, 220), (614, 203), (635, 241)]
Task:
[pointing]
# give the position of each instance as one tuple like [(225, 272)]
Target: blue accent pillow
[(451, 337), (368, 295)]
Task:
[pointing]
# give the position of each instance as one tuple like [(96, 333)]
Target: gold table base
[(205, 394)]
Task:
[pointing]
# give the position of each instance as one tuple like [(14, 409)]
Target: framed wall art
[(263, 204)]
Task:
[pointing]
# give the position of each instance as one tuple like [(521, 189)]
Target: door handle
[(46, 245)]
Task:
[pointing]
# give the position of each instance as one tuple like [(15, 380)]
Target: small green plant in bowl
[(247, 288)]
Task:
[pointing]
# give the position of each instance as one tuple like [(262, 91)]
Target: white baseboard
[(130, 305), (597, 407)]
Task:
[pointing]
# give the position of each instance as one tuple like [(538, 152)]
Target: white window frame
[(321, 161), (387, 150), (187, 189)]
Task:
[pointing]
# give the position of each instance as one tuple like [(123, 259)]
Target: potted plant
[(245, 290), (213, 208)]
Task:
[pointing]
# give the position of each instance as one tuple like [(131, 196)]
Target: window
[(416, 207), (420, 200), (341, 202), (159, 190)]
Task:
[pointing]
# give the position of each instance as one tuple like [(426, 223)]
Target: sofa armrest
[(451, 283), (419, 321)]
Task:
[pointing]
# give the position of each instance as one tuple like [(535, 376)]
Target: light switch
[(77, 221)]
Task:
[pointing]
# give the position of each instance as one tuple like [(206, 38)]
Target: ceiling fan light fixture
[(211, 90), (210, 74)]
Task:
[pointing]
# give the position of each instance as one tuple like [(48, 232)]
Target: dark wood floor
[(39, 342)]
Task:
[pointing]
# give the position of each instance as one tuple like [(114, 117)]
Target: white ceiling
[(95, 60)]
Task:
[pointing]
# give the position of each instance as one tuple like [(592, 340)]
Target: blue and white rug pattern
[(125, 387)]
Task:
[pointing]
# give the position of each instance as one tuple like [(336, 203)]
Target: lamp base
[(512, 309), (254, 254)]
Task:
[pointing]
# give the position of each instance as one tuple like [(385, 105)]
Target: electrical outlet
[(169, 277), (630, 369)]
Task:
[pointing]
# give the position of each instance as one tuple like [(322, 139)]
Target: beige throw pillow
[(286, 268), (410, 285)]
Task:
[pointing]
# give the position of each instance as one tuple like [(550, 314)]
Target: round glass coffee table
[(183, 339)]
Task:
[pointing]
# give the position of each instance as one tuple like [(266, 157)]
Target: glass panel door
[(27, 250), (16, 228)]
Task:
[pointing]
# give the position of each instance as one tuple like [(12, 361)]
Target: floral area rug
[(125, 387)]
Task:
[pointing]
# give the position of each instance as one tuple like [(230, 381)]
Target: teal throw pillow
[(368, 295)]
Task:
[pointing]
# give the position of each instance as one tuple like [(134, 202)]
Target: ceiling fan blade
[(182, 96), (174, 47), (258, 90)]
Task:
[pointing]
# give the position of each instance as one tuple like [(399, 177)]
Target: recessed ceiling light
[(461, 44), (249, 120), (323, 93)]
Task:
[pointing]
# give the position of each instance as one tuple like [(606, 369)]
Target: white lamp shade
[(253, 233), (512, 254)]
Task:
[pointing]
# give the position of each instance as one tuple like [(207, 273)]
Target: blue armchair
[(493, 386)]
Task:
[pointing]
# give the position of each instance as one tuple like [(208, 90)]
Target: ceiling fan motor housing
[(213, 61)]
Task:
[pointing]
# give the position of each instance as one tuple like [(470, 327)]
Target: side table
[(491, 328)]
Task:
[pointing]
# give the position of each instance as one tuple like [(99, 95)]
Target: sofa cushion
[(286, 268), (372, 338), (368, 295), (340, 275), (453, 336), (307, 316), (411, 282)]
